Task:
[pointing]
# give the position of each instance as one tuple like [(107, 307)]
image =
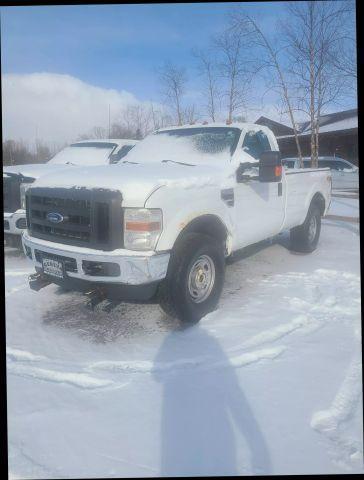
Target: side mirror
[(270, 167)]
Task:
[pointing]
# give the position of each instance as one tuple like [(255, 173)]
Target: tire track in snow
[(75, 379), (22, 355), (17, 273), (327, 422), (15, 289), (276, 333), (203, 363)]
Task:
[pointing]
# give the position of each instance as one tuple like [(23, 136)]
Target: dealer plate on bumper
[(53, 267)]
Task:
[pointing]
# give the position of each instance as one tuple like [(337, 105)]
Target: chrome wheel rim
[(312, 227), (201, 278)]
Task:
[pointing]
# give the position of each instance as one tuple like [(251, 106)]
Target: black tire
[(175, 297), (302, 237)]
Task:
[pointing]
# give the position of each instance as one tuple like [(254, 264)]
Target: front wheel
[(195, 278), (305, 237)]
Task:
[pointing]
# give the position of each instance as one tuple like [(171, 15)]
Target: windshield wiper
[(179, 163), (127, 161)]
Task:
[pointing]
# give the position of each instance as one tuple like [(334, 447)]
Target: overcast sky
[(63, 65)]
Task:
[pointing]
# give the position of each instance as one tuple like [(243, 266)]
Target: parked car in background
[(159, 226), (345, 175), (18, 178)]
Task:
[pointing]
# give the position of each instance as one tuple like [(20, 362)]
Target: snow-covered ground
[(348, 207), (270, 383)]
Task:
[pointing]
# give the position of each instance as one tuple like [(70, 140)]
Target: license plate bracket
[(53, 267)]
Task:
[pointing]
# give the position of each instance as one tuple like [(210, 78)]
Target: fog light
[(21, 223), (28, 251)]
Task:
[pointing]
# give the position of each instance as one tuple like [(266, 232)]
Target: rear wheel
[(195, 278), (305, 237)]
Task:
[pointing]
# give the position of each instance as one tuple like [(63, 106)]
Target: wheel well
[(319, 200), (207, 225)]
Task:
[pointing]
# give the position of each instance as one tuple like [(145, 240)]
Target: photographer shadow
[(202, 400)]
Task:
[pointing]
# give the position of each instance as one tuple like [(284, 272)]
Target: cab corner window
[(255, 143)]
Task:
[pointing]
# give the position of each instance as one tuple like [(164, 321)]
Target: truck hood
[(136, 182), (34, 170)]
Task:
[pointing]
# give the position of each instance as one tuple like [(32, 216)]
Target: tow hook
[(95, 297), (38, 281)]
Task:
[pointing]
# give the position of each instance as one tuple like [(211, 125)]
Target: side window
[(124, 150), (288, 163), (342, 165), (115, 157), (325, 164), (334, 165), (255, 143), (264, 141)]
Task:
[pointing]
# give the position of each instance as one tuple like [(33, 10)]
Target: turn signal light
[(278, 171)]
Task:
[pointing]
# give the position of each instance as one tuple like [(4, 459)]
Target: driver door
[(259, 207)]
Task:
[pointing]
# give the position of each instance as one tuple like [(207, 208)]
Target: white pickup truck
[(17, 178), (159, 225)]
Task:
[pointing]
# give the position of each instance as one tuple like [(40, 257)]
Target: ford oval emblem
[(55, 217)]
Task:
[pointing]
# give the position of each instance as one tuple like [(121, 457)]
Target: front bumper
[(12, 222), (136, 268)]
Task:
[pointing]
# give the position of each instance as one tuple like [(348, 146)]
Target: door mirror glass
[(270, 166)]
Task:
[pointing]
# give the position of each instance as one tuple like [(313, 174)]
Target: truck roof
[(119, 141), (239, 125)]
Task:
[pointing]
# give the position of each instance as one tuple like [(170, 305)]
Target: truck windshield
[(187, 145), (208, 140), (87, 153)]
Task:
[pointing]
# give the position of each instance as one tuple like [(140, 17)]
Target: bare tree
[(119, 130), (314, 34), (207, 67), (268, 59), (173, 80), (345, 61), (18, 152), (190, 114), (233, 67), (98, 132), (138, 118)]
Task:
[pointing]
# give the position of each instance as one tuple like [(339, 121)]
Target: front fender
[(180, 207)]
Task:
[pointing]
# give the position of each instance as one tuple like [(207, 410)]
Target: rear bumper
[(128, 268), (12, 220)]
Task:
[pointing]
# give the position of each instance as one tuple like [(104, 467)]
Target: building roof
[(334, 121), (277, 128)]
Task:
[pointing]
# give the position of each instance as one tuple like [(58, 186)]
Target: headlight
[(23, 188), (142, 228)]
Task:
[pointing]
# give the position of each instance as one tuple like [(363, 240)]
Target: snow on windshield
[(84, 155), (192, 146)]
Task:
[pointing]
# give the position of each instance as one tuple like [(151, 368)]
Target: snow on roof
[(212, 124), (345, 124)]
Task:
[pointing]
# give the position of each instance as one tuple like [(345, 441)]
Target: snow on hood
[(135, 182), (34, 170)]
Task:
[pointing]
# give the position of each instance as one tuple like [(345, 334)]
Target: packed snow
[(270, 383), (346, 207)]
